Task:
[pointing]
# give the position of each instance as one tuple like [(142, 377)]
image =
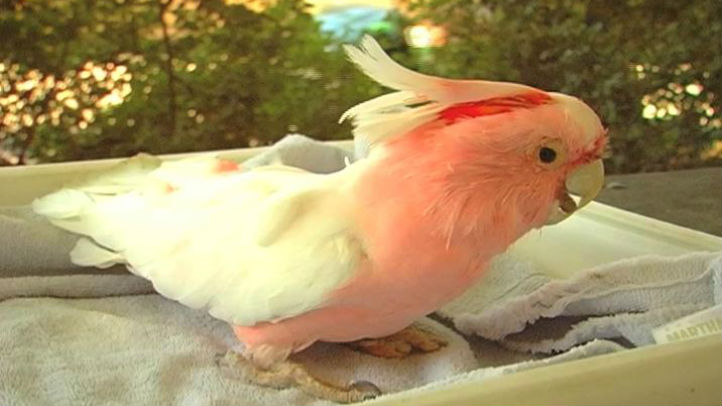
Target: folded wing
[(248, 246)]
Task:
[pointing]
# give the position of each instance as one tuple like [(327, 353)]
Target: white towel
[(525, 310), (303, 152), (117, 344), (108, 339)]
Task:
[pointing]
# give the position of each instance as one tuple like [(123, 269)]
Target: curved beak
[(585, 182)]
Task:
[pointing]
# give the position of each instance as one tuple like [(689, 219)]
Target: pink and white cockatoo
[(457, 171)]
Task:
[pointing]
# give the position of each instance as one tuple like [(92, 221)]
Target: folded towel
[(526, 310), (94, 339), (100, 339), (303, 152), (29, 244)]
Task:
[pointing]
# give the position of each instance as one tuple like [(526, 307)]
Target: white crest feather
[(419, 98)]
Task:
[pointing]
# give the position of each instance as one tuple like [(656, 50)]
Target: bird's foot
[(287, 374), (399, 345)]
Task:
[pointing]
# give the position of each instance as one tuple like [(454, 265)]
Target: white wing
[(419, 99), (252, 246)]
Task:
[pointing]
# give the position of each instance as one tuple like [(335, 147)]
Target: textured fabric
[(303, 152), (30, 245), (92, 339), (525, 310)]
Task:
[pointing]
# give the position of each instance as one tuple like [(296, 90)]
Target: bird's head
[(536, 146), (577, 148), (510, 151)]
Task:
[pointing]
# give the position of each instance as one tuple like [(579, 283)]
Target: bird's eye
[(547, 155), (551, 153)]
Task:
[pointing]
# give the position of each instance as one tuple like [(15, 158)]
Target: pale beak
[(585, 182)]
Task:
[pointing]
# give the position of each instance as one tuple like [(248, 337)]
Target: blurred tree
[(651, 68), (89, 79), (84, 79)]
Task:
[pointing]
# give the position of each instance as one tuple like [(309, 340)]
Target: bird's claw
[(288, 374), (363, 390), (401, 344)]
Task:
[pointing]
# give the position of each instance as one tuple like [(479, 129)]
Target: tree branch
[(23, 156), (132, 27), (172, 105)]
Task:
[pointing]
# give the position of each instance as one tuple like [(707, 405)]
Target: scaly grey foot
[(287, 374)]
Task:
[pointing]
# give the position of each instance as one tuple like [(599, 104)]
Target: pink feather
[(434, 207)]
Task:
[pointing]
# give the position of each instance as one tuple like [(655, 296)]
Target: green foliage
[(83, 79), (592, 49), (202, 75)]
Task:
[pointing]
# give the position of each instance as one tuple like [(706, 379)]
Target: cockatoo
[(457, 171)]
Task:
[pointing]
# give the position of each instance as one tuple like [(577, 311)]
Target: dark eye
[(547, 155)]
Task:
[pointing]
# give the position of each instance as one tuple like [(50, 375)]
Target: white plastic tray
[(681, 373)]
